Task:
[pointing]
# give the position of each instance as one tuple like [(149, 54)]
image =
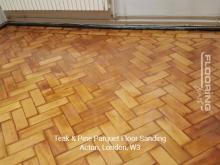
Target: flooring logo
[(204, 90)]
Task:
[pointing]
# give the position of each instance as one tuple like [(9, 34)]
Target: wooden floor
[(88, 82)]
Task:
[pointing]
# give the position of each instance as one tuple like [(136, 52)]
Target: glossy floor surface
[(63, 81)]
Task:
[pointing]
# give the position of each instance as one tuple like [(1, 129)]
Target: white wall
[(2, 17), (168, 7), (124, 7)]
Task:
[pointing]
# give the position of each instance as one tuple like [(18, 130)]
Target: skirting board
[(111, 26), (106, 20), (194, 21), (3, 25)]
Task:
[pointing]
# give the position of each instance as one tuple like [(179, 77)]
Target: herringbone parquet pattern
[(56, 81)]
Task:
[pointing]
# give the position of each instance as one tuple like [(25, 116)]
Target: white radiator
[(69, 5)]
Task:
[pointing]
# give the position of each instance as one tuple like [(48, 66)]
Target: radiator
[(72, 5), (56, 10)]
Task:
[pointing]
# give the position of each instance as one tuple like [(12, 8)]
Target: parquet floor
[(60, 81)]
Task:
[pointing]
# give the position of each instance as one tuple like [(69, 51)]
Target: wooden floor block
[(25, 143), (202, 143), (151, 95), (118, 122), (176, 151), (175, 117), (37, 97), (9, 107), (19, 119), (132, 154), (110, 156), (209, 157), (176, 105), (3, 152), (146, 130), (181, 59), (142, 160), (32, 161), (126, 98), (158, 76), (18, 157), (95, 158), (74, 154), (57, 147), (29, 107), (89, 133), (130, 88), (78, 104), (35, 128), (63, 126), (53, 104), (9, 132), (44, 154), (84, 93), (71, 114), (122, 109), (177, 94), (145, 118), (44, 116), (148, 106), (162, 157), (178, 135)]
